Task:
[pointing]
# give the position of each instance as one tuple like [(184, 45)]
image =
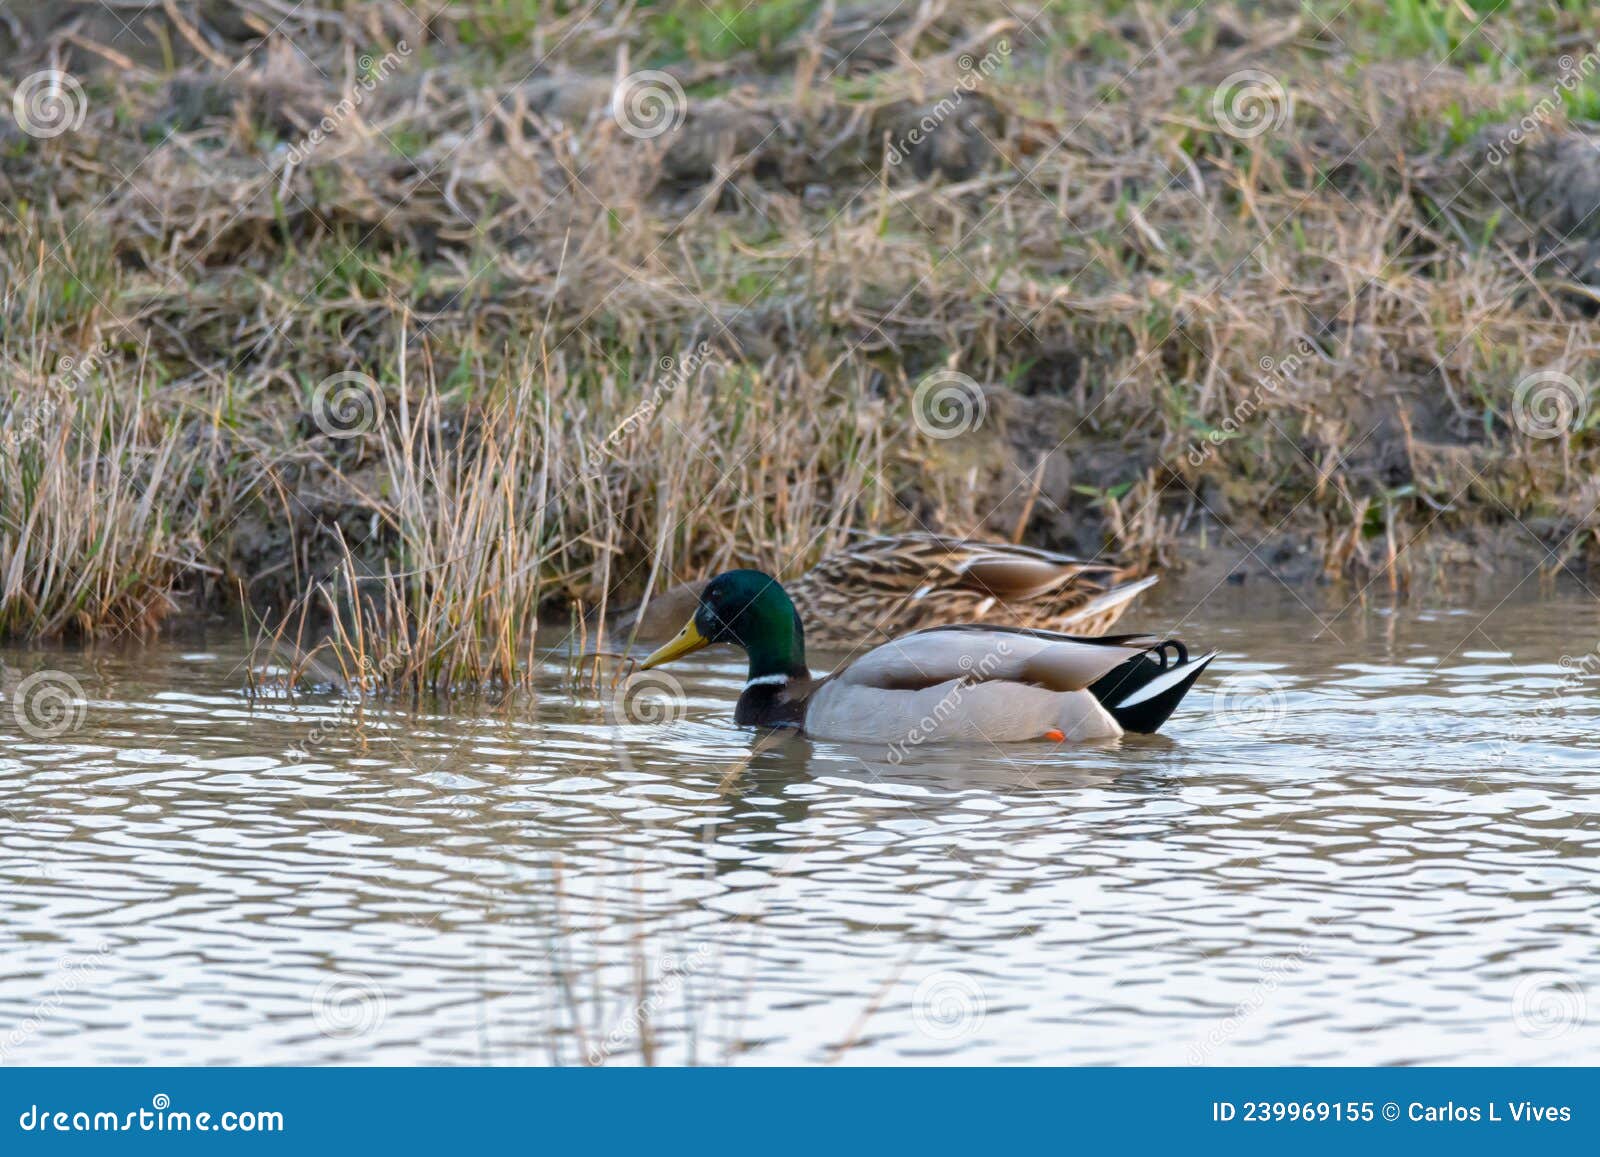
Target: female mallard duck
[(886, 586), (958, 682)]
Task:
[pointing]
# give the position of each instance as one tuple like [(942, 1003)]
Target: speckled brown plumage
[(889, 585), (886, 586)]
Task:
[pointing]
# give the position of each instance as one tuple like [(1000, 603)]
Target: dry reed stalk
[(1089, 243)]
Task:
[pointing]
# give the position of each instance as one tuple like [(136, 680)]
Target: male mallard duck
[(889, 585), (970, 681)]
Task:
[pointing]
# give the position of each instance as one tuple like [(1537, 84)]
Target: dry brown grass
[(88, 540), (1081, 238)]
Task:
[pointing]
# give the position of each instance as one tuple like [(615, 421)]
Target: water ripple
[(1373, 870)]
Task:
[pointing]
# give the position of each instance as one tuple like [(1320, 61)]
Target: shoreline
[(456, 342)]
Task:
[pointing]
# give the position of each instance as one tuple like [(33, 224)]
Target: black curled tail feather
[(1143, 692)]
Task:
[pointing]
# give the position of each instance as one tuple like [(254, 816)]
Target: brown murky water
[(1377, 845)]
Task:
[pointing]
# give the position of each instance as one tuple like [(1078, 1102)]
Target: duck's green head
[(748, 609)]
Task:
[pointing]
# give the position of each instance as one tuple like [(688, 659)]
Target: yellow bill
[(688, 641)]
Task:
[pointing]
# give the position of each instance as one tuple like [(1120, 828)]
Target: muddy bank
[(360, 308)]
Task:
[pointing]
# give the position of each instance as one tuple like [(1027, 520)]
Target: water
[(1378, 845)]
